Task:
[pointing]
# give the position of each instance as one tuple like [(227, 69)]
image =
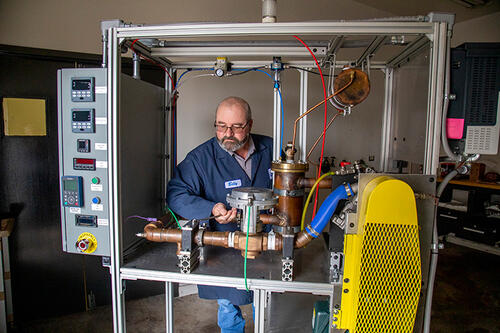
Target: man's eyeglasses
[(234, 128)]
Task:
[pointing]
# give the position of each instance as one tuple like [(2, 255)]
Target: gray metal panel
[(141, 122), (141, 119), (67, 151), (290, 312), (409, 110)]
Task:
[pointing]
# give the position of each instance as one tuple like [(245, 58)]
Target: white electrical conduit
[(331, 78), (189, 78), (434, 256), (444, 136)]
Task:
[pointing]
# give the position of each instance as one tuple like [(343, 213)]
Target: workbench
[(224, 267)]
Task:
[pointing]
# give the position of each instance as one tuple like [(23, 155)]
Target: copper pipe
[(309, 182), (257, 243), (277, 219), (215, 238), (314, 107), (303, 238), (154, 232)]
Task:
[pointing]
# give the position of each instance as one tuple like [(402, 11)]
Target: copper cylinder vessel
[(290, 194)]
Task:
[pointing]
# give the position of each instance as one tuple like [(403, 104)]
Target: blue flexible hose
[(327, 209)]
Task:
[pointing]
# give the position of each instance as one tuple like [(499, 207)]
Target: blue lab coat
[(203, 179)]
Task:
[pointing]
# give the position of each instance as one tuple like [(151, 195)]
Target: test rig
[(116, 156)]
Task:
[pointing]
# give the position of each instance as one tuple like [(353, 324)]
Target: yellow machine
[(382, 274)]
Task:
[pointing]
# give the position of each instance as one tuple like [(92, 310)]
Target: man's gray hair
[(232, 100)]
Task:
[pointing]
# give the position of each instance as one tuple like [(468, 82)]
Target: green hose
[(309, 197), (246, 249), (175, 217)]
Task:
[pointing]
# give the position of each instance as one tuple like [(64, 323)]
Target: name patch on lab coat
[(233, 183)]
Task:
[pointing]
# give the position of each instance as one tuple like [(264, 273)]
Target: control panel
[(83, 121), (83, 166), (72, 191), (83, 89)]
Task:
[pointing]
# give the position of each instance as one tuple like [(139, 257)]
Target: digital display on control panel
[(84, 164), (82, 89), (82, 120), (81, 116), (83, 145), (85, 84), (70, 184)]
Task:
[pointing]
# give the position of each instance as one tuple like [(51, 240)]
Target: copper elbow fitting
[(277, 219), (303, 238), (256, 243)]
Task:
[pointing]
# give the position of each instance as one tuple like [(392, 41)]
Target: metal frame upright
[(433, 31)]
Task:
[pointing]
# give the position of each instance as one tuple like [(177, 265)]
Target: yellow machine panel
[(382, 274)]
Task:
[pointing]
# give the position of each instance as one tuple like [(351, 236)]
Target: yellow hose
[(309, 197)]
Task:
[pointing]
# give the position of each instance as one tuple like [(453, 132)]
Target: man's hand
[(223, 215)]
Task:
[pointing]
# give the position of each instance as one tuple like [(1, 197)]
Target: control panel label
[(75, 210), (96, 187), (101, 89), (101, 164), (97, 207), (102, 222), (101, 146), (101, 120)]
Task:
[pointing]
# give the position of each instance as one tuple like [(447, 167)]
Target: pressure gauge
[(221, 66), (219, 72)]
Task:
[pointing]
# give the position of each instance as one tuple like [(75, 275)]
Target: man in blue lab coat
[(233, 158)]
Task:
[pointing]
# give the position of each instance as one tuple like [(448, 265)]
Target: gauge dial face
[(219, 72)]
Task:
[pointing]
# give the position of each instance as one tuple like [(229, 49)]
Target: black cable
[(308, 70), (246, 71)]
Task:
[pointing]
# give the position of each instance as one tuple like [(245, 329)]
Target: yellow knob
[(86, 243)]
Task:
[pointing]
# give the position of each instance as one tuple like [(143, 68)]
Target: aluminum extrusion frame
[(436, 32)]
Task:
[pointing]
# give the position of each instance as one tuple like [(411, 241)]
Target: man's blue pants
[(229, 317)]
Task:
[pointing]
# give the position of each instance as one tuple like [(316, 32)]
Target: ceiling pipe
[(269, 11)]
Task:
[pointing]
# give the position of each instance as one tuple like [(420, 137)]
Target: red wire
[(324, 125)]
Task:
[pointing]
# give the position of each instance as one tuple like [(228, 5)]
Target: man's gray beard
[(233, 145)]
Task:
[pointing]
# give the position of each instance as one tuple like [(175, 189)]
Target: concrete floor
[(467, 292), (466, 300), (146, 315)]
